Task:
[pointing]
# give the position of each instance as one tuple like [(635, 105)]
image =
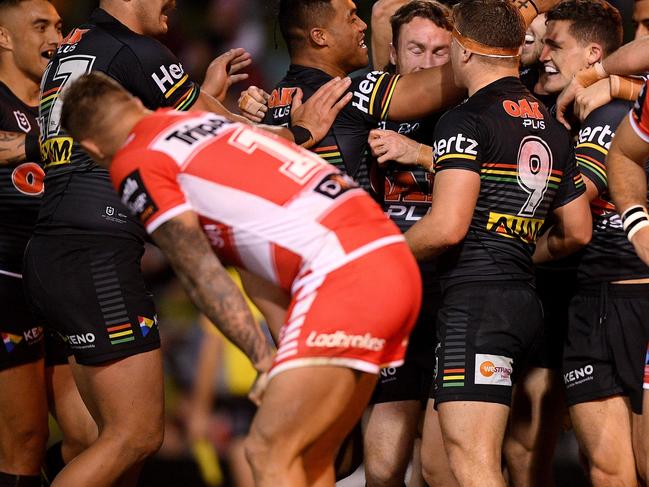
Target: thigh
[(310, 406), (23, 402), (126, 393), (91, 292)]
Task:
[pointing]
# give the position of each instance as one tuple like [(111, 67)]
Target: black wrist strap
[(33, 147), (300, 134)]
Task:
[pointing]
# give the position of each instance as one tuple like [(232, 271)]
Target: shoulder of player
[(612, 114)]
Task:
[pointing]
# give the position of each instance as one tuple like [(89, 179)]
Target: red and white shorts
[(358, 316)]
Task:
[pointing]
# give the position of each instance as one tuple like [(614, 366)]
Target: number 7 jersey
[(527, 168), (265, 204)]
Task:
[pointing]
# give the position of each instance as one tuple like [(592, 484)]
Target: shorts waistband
[(615, 290)]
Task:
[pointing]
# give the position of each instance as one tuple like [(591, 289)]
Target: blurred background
[(206, 378)]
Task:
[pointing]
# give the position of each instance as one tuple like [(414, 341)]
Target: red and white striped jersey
[(265, 204)]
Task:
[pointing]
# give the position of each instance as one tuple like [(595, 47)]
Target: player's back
[(266, 205), (526, 166)]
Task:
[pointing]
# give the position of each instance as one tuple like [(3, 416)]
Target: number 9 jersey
[(527, 168)]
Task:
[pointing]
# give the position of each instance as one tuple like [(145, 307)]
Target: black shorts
[(22, 339), (90, 290), (56, 349), (485, 331), (555, 288), (607, 343), (412, 381)]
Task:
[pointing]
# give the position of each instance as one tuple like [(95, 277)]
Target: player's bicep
[(575, 219), (455, 194)]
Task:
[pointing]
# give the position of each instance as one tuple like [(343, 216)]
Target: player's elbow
[(578, 236), (454, 233)]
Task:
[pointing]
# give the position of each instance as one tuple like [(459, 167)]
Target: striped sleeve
[(639, 116), (372, 95)]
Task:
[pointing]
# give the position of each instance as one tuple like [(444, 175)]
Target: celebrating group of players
[(514, 283)]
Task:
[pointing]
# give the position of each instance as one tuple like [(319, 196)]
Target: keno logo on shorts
[(493, 370), (340, 339)]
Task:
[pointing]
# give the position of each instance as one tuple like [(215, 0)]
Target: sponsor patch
[(147, 324), (135, 196), (493, 370), (340, 339), (578, 376)]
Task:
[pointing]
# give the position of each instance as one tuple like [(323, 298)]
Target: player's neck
[(479, 77), (21, 85), (312, 60)]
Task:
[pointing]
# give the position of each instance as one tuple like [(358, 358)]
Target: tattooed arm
[(12, 148), (210, 287)]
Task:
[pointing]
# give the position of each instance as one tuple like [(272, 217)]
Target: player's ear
[(594, 53), (393, 55), (95, 152), (5, 39), (318, 36)]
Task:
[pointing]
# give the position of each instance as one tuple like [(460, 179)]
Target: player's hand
[(591, 98), (257, 390), (224, 71), (318, 113), (253, 104), (566, 99), (387, 145), (640, 242)]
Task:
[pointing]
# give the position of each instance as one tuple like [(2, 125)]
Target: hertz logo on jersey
[(170, 78), (458, 146), (511, 226)]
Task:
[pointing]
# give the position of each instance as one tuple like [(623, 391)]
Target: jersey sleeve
[(151, 72), (572, 184), (594, 141), (456, 143), (371, 96), (639, 116), (148, 187)]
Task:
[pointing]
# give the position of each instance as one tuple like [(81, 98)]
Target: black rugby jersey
[(21, 186), (609, 256), (80, 198), (345, 146), (527, 168)]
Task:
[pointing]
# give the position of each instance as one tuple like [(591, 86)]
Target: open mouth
[(362, 44), (550, 69), (529, 39), (48, 54)]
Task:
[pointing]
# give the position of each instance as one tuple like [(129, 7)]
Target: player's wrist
[(425, 157), (301, 135), (625, 88), (263, 364), (591, 75), (634, 219)]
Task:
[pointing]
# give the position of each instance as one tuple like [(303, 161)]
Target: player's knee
[(517, 452), (383, 469), (608, 475), (141, 442), (436, 470), (32, 439)]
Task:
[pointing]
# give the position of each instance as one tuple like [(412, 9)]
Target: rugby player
[(641, 18), (421, 35), (301, 225), (502, 166), (606, 339), (82, 267), (627, 173), (30, 31)]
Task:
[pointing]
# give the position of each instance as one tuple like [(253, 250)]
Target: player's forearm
[(211, 289), (431, 236), (419, 94), (555, 244), (12, 148), (382, 31), (626, 179), (530, 9), (629, 59)]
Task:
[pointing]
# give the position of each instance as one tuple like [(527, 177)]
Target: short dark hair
[(437, 13), (297, 17), (494, 23), (591, 21), (4, 4), (83, 101)]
